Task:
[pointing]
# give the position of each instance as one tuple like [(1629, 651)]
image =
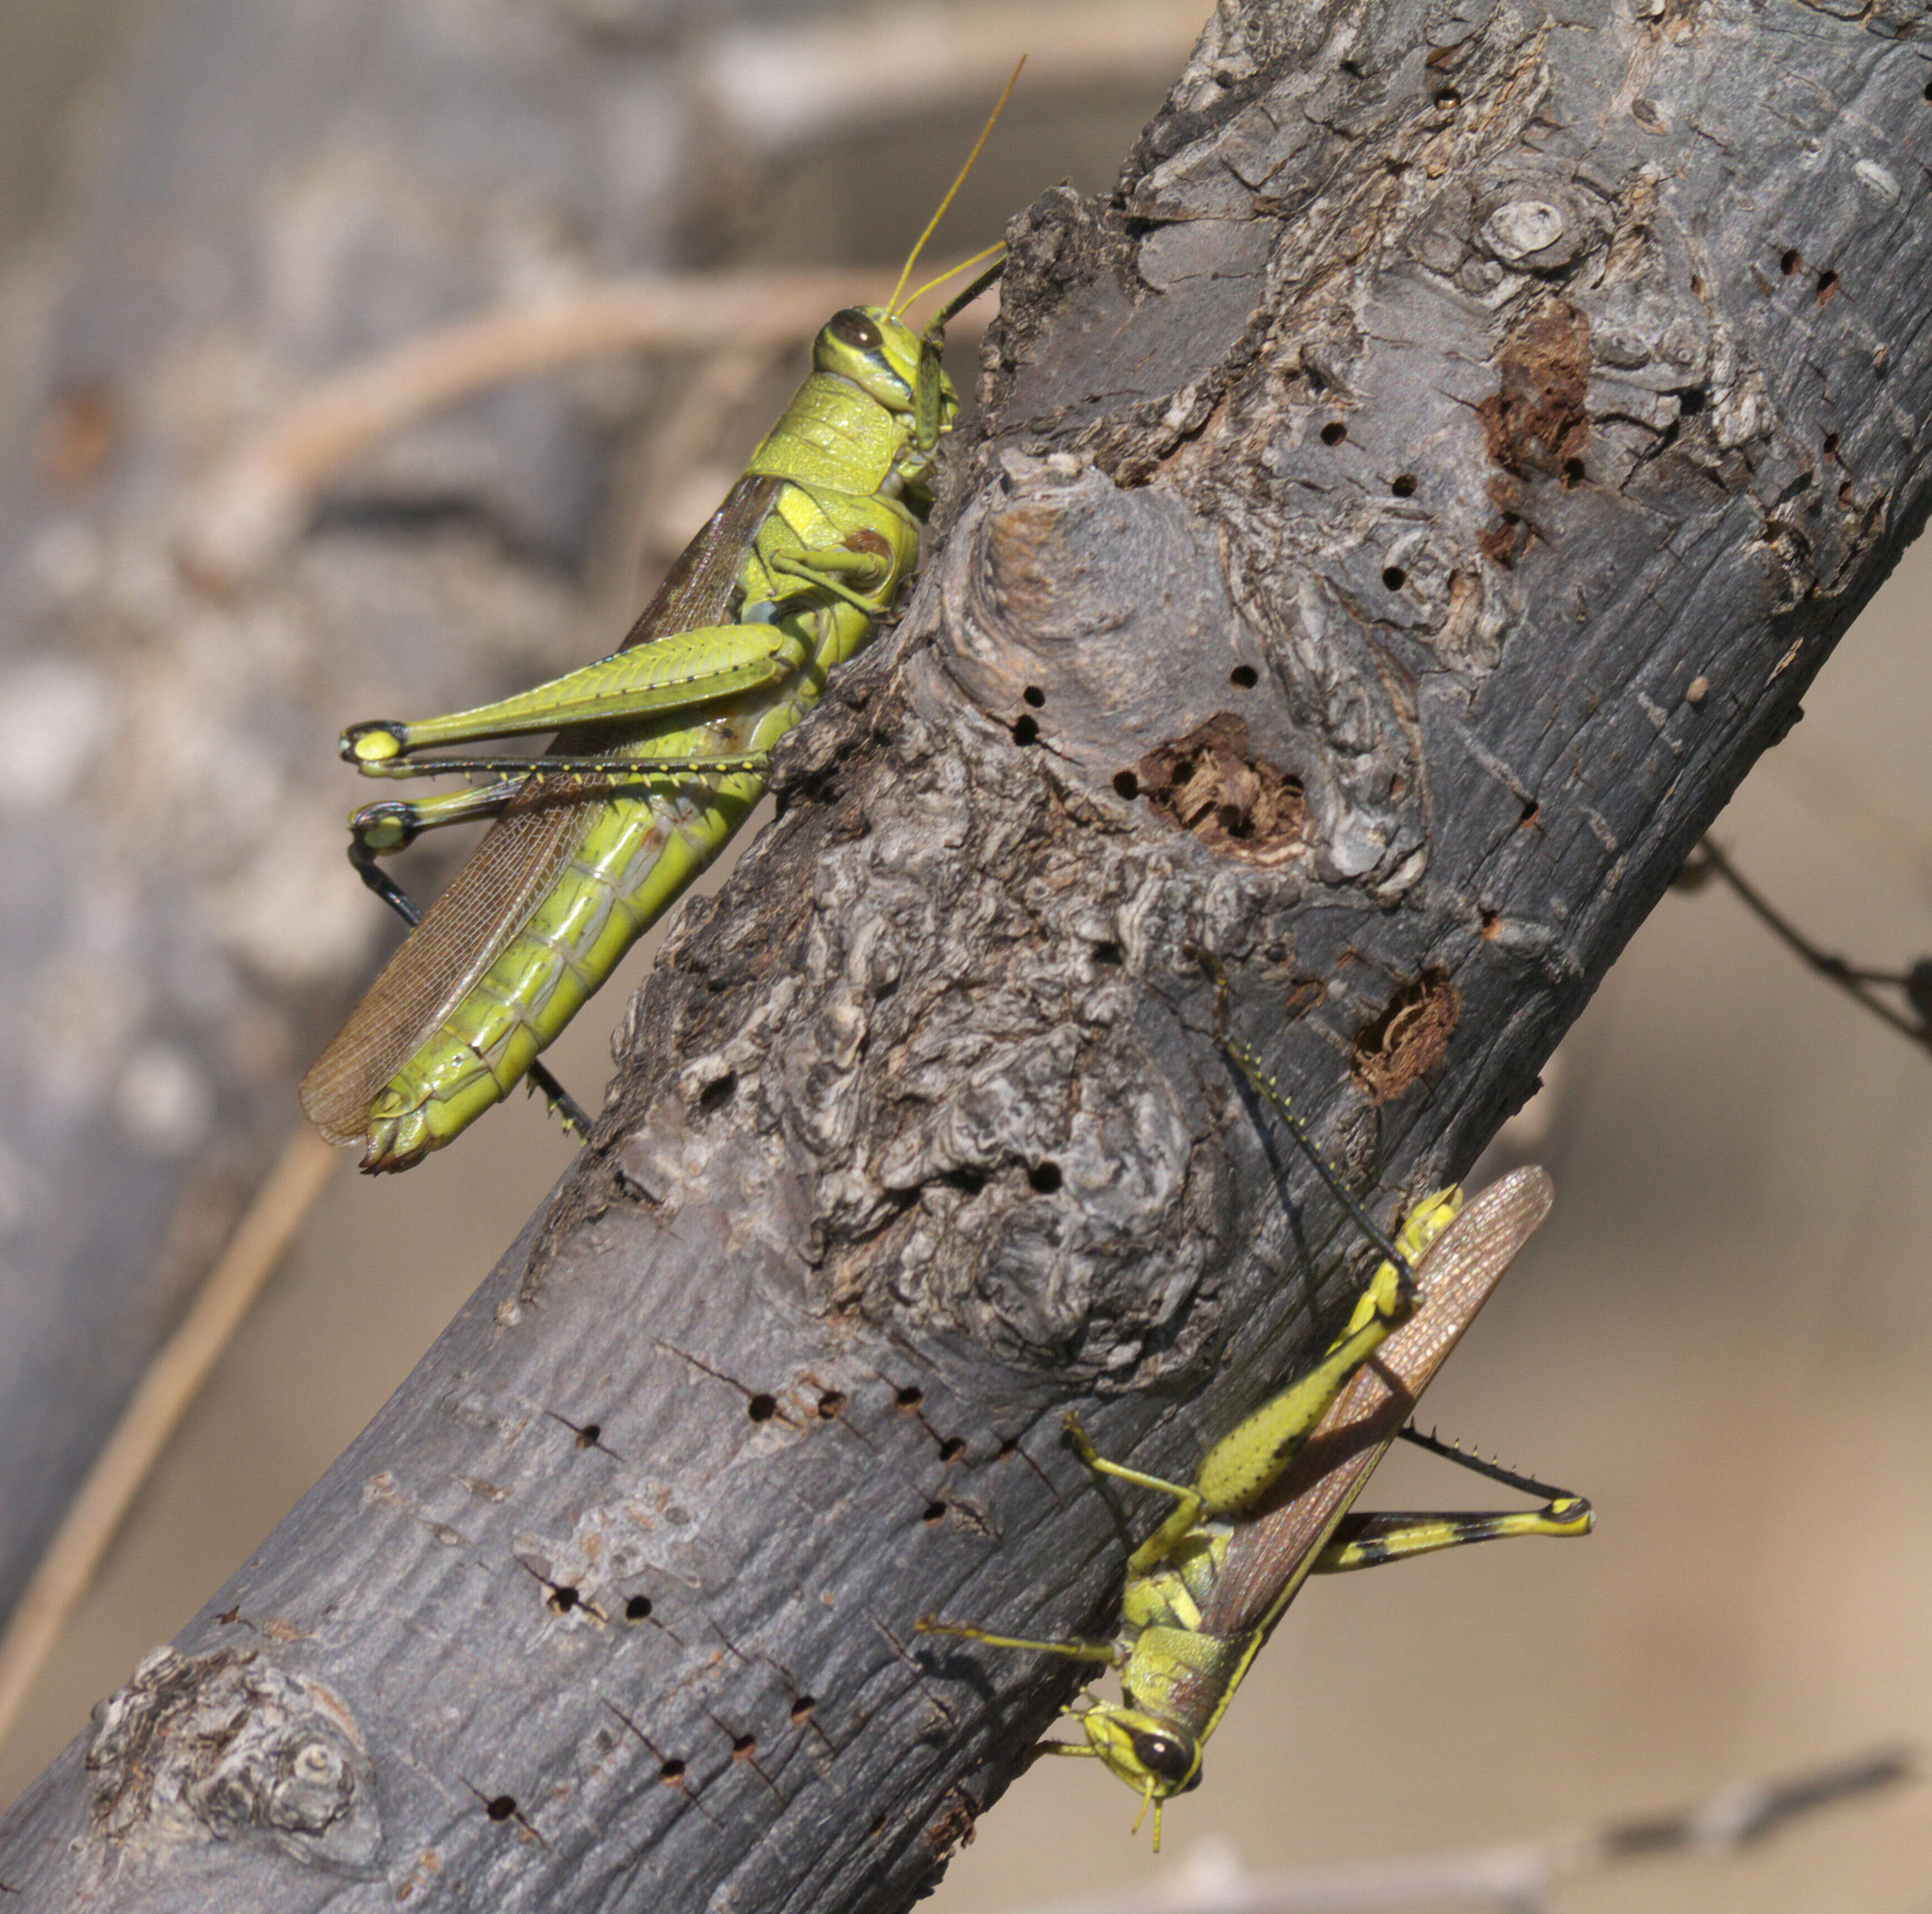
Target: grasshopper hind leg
[(382, 829), (1367, 1541)]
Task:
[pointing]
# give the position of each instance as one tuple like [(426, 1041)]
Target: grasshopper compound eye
[(853, 329), (1165, 1757)]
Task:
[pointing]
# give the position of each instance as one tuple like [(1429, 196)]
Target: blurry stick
[(723, 383), (172, 1381), (787, 85), (1914, 984), (1518, 1878), (257, 501)]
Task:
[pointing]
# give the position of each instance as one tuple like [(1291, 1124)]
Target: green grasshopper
[(1271, 1503), (661, 751)]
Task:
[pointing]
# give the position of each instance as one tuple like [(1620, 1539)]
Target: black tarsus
[(570, 1112)]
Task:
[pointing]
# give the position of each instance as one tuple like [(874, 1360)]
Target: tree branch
[(1404, 513)]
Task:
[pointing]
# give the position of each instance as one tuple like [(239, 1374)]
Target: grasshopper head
[(1155, 1758), (883, 356)]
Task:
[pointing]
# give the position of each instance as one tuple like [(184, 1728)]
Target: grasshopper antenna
[(1264, 1086), (963, 300), (952, 191)]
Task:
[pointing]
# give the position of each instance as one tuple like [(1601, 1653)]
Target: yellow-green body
[(1271, 1504), (1178, 1675), (661, 759)]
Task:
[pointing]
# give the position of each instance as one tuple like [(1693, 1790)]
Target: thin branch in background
[(679, 466), (257, 500), (1520, 1878), (173, 1380), (793, 82), (1914, 984)]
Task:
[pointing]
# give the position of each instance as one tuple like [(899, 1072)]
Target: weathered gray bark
[(1408, 511), (287, 188)]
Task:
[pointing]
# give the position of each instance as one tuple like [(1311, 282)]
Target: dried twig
[(173, 1380), (1916, 984), (1520, 1876), (257, 499), (797, 81)]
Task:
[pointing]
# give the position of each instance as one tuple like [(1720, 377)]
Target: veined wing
[(511, 871), (1269, 1557), (697, 588)]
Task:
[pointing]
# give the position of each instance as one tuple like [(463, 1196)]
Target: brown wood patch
[(1407, 1039), (1537, 421), (1210, 782)]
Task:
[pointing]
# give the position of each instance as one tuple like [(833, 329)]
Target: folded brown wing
[(511, 871), (1269, 1557)]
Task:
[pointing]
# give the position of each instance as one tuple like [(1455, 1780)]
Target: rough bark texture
[(1409, 508), (287, 188)]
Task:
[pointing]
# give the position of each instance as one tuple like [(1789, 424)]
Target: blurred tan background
[(1722, 1336)]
